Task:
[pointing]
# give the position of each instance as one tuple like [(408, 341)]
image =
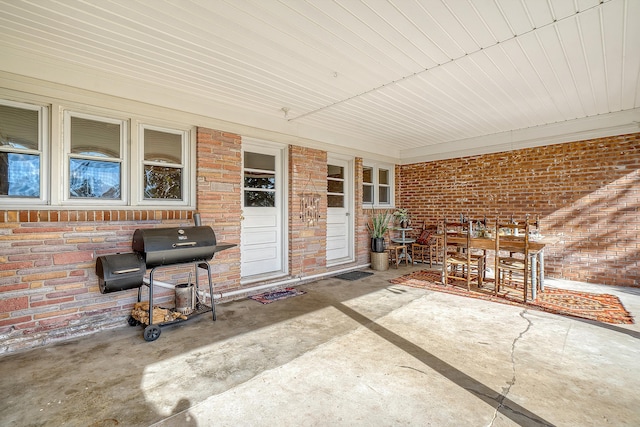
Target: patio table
[(403, 240), (512, 244)]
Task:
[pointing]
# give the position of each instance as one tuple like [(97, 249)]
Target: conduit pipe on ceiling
[(220, 295)]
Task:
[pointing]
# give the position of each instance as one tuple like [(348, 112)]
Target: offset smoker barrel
[(164, 246), (120, 272)]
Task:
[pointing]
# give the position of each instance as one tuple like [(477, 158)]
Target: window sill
[(74, 215)]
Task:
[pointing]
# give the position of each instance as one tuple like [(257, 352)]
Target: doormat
[(601, 307), (353, 275), (269, 297)]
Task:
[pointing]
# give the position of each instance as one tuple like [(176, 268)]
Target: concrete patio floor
[(360, 353)]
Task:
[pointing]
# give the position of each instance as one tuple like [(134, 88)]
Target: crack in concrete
[(410, 367), (505, 390)]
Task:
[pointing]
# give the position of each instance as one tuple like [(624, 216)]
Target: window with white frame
[(22, 148), (95, 157), (378, 184), (92, 159), (164, 163)]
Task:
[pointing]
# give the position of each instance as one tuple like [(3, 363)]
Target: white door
[(263, 211), (339, 208)]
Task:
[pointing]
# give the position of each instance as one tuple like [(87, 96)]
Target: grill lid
[(162, 246)]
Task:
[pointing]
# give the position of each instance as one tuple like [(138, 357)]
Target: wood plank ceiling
[(408, 79)]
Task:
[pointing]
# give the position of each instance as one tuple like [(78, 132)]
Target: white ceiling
[(408, 79)]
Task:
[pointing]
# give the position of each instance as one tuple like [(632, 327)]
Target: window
[(163, 171), (259, 180), (377, 184), (335, 186), (22, 143), (384, 186), (95, 157), (91, 157)]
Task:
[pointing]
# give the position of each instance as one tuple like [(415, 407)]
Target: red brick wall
[(307, 245), (48, 286), (219, 199), (587, 195)]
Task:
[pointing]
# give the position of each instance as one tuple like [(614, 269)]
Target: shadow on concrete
[(501, 403)]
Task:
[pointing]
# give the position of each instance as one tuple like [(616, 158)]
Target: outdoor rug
[(601, 307), (354, 275), (269, 297)]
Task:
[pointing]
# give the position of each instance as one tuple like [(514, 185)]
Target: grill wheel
[(152, 333)]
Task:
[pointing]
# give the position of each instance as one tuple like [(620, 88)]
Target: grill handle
[(128, 270), (177, 245)]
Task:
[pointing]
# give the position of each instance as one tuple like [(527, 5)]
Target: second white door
[(339, 208)]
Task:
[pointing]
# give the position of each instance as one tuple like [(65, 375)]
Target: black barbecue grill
[(164, 246), (155, 248)]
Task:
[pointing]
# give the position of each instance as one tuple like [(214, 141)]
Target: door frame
[(349, 204), (282, 190)]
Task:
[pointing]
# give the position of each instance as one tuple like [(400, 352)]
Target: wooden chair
[(397, 252), (425, 247), (505, 267), (459, 263)]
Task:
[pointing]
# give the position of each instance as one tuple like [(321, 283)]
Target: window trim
[(42, 151), (376, 166), (65, 196), (343, 180), (55, 147), (188, 166)]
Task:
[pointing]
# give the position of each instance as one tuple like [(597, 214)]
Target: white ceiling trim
[(620, 123)]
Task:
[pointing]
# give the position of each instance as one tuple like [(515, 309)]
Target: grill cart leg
[(207, 267), (151, 298), (131, 320)]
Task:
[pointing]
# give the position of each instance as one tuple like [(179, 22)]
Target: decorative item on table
[(378, 227), (535, 233), (402, 217), (481, 230)]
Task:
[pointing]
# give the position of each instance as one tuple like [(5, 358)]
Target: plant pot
[(377, 244), (379, 261)]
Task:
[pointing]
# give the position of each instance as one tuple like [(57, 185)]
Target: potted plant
[(378, 227), (402, 217)]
